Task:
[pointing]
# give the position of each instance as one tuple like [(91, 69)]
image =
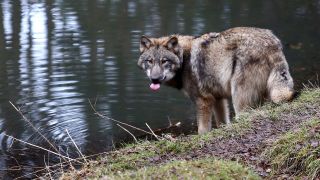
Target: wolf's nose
[(155, 80)]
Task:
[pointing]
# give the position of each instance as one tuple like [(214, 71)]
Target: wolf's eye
[(165, 61), (149, 61)]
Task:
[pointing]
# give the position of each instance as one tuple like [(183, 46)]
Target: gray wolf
[(244, 64)]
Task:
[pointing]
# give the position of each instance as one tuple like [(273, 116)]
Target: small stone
[(315, 143)]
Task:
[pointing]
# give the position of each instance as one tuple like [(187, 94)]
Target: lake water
[(57, 55)]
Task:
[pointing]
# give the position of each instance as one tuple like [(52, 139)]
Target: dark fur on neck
[(177, 81)]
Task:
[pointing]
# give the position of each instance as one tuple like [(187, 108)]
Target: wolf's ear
[(172, 44), (145, 43)]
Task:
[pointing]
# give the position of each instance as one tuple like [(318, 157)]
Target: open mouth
[(155, 84)]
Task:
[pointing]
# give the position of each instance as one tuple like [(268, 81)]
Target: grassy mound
[(297, 152), (197, 169), (294, 151)]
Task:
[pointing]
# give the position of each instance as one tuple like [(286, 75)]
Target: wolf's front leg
[(221, 111), (204, 115)]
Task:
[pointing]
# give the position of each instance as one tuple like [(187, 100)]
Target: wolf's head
[(160, 58)]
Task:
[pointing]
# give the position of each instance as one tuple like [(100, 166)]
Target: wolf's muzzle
[(157, 80)]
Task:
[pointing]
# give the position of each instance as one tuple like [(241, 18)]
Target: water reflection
[(55, 55)]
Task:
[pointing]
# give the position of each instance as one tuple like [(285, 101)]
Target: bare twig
[(105, 117), (76, 147), (61, 164), (153, 132), (135, 139), (48, 169), (113, 144), (70, 163), (311, 84), (170, 123), (96, 100)]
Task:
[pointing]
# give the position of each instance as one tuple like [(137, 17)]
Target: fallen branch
[(153, 132), (33, 145), (171, 126), (105, 117), (35, 129)]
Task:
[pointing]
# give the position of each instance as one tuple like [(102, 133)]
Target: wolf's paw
[(203, 130)]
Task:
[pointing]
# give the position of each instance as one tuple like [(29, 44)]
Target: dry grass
[(297, 152)]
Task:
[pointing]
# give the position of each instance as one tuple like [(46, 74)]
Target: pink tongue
[(154, 86)]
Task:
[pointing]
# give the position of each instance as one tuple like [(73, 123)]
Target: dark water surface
[(55, 55)]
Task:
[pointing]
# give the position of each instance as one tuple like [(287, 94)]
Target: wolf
[(244, 64)]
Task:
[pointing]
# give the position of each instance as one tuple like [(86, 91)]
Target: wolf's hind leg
[(244, 95), (221, 111), (204, 115)]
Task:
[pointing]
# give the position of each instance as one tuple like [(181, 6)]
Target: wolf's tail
[(280, 82)]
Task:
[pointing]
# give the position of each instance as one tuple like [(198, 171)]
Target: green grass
[(197, 169), (297, 151), (307, 97)]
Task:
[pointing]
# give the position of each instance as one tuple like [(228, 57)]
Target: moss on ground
[(196, 169), (297, 152), (135, 160)]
